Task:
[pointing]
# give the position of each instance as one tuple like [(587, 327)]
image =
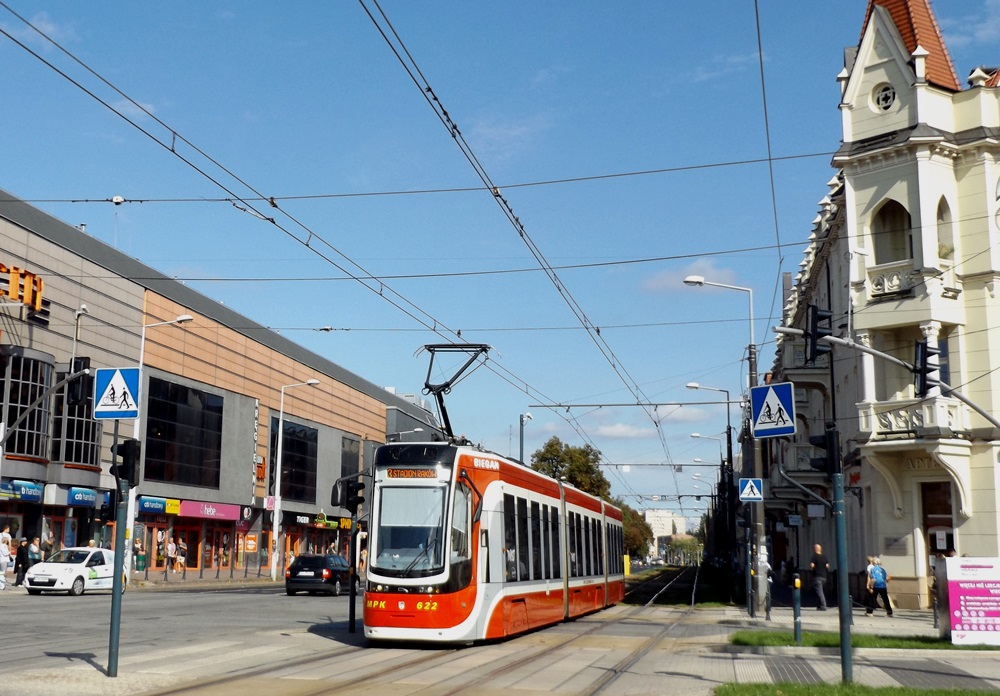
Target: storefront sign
[(73, 496), (23, 286), (251, 543), (214, 511), (302, 519), (151, 506), (345, 523), (82, 497), (26, 491), (173, 506)]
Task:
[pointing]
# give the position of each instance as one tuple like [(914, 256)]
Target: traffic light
[(814, 332), (109, 509), (354, 498), (129, 450), (79, 389), (925, 370), (830, 443)]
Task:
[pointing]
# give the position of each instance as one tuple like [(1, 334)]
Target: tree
[(638, 534), (580, 466)]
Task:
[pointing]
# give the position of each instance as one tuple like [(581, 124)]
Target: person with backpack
[(878, 586)]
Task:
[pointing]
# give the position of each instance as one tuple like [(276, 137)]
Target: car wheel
[(290, 593), (336, 587), (34, 592), (77, 588)]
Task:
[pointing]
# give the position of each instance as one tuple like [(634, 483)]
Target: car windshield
[(68, 556), (410, 531), (308, 562)]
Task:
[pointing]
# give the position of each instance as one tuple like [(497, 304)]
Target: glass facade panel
[(27, 378), (298, 461), (184, 435)]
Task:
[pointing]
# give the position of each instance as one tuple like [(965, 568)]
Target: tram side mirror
[(484, 538)]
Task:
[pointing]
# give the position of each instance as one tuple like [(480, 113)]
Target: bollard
[(797, 607), (935, 611)]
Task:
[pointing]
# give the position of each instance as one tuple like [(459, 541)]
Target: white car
[(74, 570)]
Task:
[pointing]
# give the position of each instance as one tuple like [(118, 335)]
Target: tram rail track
[(411, 664)]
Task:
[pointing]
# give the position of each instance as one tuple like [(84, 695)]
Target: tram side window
[(510, 538), (572, 571), (536, 541), (523, 549), (555, 546), (461, 524), (578, 546), (598, 556), (547, 544)]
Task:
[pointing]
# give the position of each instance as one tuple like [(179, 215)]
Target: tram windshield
[(410, 534)]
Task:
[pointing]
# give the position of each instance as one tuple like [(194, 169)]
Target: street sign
[(116, 393), (751, 490), (772, 408)]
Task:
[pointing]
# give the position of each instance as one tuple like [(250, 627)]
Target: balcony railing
[(892, 278), (902, 416)]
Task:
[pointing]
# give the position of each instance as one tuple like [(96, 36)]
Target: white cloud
[(623, 431), (977, 28), (724, 66), (501, 140), (124, 106), (60, 33), (673, 280)]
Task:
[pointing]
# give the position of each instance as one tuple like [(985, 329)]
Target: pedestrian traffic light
[(128, 470), (830, 443), (814, 332), (925, 370), (79, 389), (354, 497)]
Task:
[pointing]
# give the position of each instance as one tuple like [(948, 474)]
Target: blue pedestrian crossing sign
[(116, 393), (772, 409), (751, 490)]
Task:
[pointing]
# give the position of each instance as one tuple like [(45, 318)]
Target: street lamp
[(699, 281), (137, 432), (752, 460), (276, 521), (399, 436), (524, 417)]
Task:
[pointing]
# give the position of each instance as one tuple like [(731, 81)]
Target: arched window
[(891, 234), (945, 232)]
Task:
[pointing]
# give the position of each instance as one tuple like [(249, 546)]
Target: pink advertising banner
[(974, 600), (215, 511)]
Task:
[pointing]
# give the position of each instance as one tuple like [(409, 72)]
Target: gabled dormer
[(900, 75)]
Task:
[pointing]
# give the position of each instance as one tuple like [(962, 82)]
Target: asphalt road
[(49, 631)]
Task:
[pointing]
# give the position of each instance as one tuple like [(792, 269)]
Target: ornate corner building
[(905, 249)]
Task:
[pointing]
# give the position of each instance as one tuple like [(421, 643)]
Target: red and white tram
[(465, 545)]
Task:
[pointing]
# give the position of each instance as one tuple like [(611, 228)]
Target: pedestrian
[(820, 568), (21, 562), (5, 535), (34, 552), (869, 599), (91, 543), (878, 586), (182, 552), (48, 546), (4, 562), (171, 555)]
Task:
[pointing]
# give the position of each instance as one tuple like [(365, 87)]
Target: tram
[(465, 545)]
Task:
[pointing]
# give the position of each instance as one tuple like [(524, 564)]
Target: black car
[(313, 572)]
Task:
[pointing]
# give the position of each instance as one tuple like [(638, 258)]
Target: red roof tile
[(918, 27)]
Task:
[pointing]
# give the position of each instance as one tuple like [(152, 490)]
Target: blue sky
[(628, 140)]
